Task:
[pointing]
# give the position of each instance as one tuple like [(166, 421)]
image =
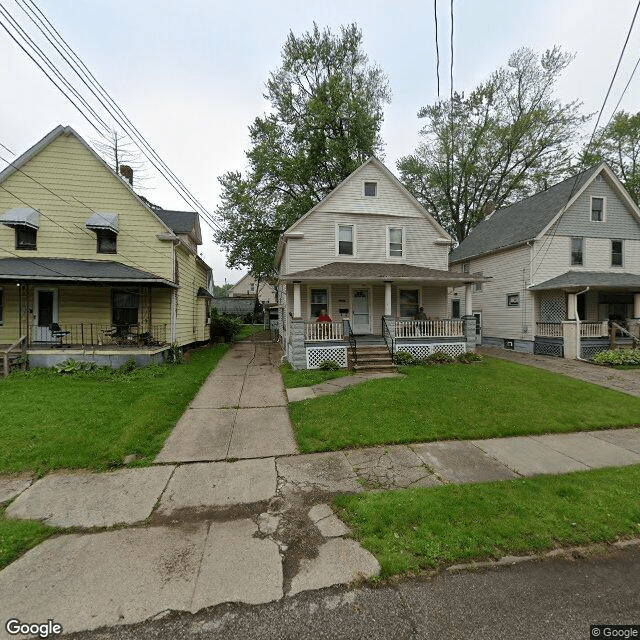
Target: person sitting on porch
[(421, 315), (323, 317)]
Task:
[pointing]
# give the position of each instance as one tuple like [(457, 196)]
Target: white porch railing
[(319, 331), (429, 328), (587, 329), (549, 329)]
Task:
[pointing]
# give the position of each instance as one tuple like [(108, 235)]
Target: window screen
[(345, 240)]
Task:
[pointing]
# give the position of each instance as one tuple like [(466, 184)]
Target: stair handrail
[(5, 354), (623, 331), (351, 337), (389, 338)]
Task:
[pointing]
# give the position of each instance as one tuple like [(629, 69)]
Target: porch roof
[(381, 272), (595, 279), (81, 272)]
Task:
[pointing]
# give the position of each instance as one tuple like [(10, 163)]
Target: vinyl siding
[(9, 329), (190, 318), (84, 185), (370, 216), (509, 271)]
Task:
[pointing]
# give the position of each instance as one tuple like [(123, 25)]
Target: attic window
[(371, 189), (597, 209), (26, 222), (26, 238), (107, 241)]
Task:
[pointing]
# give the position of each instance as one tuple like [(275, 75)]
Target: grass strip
[(416, 529), (308, 377), (18, 536), (491, 399)]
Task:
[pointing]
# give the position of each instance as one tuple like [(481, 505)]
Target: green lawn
[(93, 420), (17, 536), (414, 529), (248, 330), (308, 377), (493, 398)]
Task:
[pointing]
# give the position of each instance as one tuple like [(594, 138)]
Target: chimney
[(127, 172), (489, 208)]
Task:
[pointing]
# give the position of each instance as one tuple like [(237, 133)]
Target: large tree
[(618, 143), (327, 105), (508, 138)]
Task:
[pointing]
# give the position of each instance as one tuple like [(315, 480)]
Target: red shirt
[(324, 319)]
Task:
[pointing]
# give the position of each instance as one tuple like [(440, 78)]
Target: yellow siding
[(190, 319), (68, 169), (9, 329)]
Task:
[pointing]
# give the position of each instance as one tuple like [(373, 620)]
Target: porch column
[(297, 301), (636, 306), (387, 298), (468, 299), (297, 354), (571, 306)]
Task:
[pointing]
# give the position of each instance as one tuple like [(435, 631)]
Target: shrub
[(439, 357), (175, 355), (74, 366), (404, 358), (468, 357), (129, 366), (620, 356), (329, 365), (226, 327)]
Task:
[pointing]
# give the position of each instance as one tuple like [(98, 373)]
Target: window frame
[(477, 287), (571, 251), (21, 229), (604, 208), (404, 243), (353, 239), (364, 188), (621, 241), (453, 315), (114, 292), (328, 307), (510, 305), (399, 291), (101, 235)]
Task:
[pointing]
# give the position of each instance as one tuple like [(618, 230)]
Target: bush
[(620, 356), (404, 358), (74, 366), (129, 366), (226, 327), (439, 357), (329, 365), (175, 355), (468, 357)]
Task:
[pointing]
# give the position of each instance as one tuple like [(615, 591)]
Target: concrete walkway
[(335, 385), (625, 380)]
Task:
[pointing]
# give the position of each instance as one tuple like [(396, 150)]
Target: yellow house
[(89, 270)]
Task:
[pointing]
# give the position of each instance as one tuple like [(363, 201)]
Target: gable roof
[(187, 222), (524, 220), (372, 160)]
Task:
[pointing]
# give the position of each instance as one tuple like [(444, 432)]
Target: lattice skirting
[(548, 349), (424, 350), (317, 355), (590, 350)]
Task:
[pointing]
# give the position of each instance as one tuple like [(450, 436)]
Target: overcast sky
[(191, 74)]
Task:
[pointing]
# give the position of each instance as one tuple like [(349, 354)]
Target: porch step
[(387, 368), (374, 358)]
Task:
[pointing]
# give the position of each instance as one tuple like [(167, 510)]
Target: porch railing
[(429, 328), (319, 331), (587, 329), (388, 337), (97, 335), (549, 329)]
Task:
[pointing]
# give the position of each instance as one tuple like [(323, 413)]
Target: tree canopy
[(618, 144), (327, 107), (504, 141)]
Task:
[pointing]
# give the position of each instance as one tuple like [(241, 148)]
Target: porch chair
[(58, 334)]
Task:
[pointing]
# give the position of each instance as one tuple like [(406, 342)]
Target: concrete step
[(374, 360), (382, 368)]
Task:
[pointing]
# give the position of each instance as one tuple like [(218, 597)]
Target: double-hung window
[(577, 252), (319, 299), (345, 240), (396, 242), (616, 253), (124, 306), (597, 209), (409, 303)]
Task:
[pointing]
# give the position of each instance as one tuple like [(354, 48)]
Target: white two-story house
[(563, 264), (370, 258)]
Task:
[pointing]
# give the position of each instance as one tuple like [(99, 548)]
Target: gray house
[(563, 263)]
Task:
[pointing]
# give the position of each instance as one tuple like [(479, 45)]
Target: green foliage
[(74, 366), (227, 327), (329, 365), (17, 536), (403, 358), (308, 377), (480, 521), (618, 357), (469, 357), (129, 366), (175, 355), (618, 144), (221, 292), (439, 357), (502, 142), (326, 112)]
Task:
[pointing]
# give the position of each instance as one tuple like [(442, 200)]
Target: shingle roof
[(77, 271), (522, 221), (595, 279), (178, 221), (381, 271)]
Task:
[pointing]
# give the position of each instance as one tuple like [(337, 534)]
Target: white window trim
[(354, 235), (512, 306), (377, 188), (604, 208), (584, 251), (329, 307), (404, 243), (616, 266), (407, 288)]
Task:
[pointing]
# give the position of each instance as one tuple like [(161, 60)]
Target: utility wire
[(451, 89), (435, 18)]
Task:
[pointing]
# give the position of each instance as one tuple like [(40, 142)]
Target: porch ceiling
[(573, 280), (81, 272), (379, 272)]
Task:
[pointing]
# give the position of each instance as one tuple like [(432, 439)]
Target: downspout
[(578, 347)]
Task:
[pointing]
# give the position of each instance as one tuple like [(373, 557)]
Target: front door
[(361, 311), (45, 311)]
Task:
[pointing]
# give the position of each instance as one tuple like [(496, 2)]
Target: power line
[(451, 69), (435, 18)]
